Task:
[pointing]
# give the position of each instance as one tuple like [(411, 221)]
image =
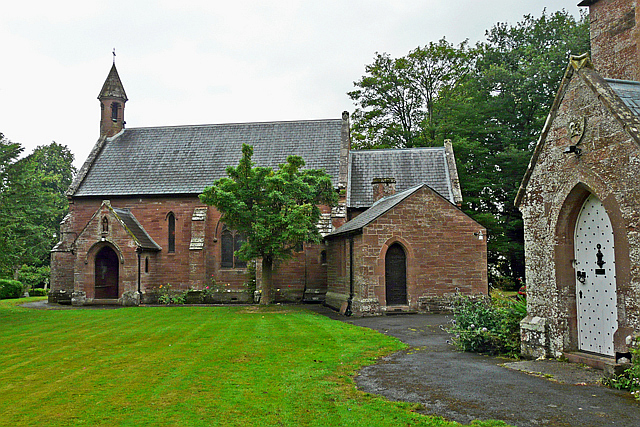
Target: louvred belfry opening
[(112, 99)]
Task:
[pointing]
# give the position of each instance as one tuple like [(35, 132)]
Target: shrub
[(630, 379), (169, 296), (10, 289), (488, 325), (34, 277), (38, 292)]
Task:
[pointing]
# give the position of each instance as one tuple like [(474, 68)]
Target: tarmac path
[(463, 387)]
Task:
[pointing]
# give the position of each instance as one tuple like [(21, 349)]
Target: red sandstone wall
[(186, 267), (443, 253), (615, 37)]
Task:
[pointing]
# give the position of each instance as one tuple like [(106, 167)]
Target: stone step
[(399, 309), (607, 364), (103, 301)]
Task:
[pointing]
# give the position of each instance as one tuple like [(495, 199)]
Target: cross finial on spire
[(114, 56)]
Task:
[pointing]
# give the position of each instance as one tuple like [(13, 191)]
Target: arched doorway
[(395, 275), (106, 274), (596, 299)]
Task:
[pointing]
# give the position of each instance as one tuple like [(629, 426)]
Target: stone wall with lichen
[(606, 165)]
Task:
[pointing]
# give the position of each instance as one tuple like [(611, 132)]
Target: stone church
[(580, 201), (135, 222)]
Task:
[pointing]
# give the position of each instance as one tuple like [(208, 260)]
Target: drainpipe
[(348, 311), (139, 252)]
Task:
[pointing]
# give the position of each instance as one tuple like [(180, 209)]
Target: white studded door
[(595, 279)]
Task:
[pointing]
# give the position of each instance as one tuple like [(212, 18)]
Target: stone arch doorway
[(596, 296), (395, 275), (107, 268)]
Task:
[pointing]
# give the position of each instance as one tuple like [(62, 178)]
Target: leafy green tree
[(491, 100), (501, 106), (32, 203), (397, 99), (274, 210)]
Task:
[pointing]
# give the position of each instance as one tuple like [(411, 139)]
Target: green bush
[(630, 379), (167, 296), (505, 283), (34, 277), (38, 292), (488, 325), (10, 289)]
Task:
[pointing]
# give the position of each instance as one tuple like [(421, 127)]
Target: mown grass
[(190, 366)]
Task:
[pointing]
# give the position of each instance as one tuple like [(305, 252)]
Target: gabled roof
[(620, 97), (628, 92), (378, 209), (112, 87), (410, 167), (139, 234), (187, 159)]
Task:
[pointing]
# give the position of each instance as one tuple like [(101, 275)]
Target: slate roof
[(187, 159), (139, 234), (410, 167), (112, 87), (375, 211), (629, 93)]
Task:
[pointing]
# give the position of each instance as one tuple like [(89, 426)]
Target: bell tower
[(112, 99), (615, 37)]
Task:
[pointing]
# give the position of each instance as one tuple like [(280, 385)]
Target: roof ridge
[(202, 125), (398, 149)]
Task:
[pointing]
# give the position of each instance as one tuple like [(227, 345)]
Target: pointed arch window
[(171, 225), (230, 242)]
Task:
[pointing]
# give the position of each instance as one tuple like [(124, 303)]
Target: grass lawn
[(190, 366)]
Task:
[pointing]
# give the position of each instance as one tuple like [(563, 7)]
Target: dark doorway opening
[(395, 274), (106, 274)]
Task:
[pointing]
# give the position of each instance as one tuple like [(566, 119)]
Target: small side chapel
[(580, 201), (136, 224)]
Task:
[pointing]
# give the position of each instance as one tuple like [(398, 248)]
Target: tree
[(491, 100), (397, 99), (501, 105), (32, 203), (274, 210)]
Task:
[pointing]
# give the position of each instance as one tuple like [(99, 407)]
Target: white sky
[(210, 61)]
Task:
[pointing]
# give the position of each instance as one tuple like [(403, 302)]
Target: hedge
[(10, 289)]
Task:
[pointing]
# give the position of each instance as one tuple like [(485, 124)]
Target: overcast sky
[(208, 61)]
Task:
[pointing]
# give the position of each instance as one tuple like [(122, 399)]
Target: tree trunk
[(267, 283)]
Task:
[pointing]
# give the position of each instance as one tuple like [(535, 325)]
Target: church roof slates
[(378, 209), (628, 92), (139, 233), (187, 159), (410, 167)]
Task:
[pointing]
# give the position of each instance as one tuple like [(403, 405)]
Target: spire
[(112, 87), (112, 99)]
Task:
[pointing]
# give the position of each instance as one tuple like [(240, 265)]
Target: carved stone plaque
[(576, 128)]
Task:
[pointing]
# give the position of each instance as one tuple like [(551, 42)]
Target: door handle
[(582, 276)]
